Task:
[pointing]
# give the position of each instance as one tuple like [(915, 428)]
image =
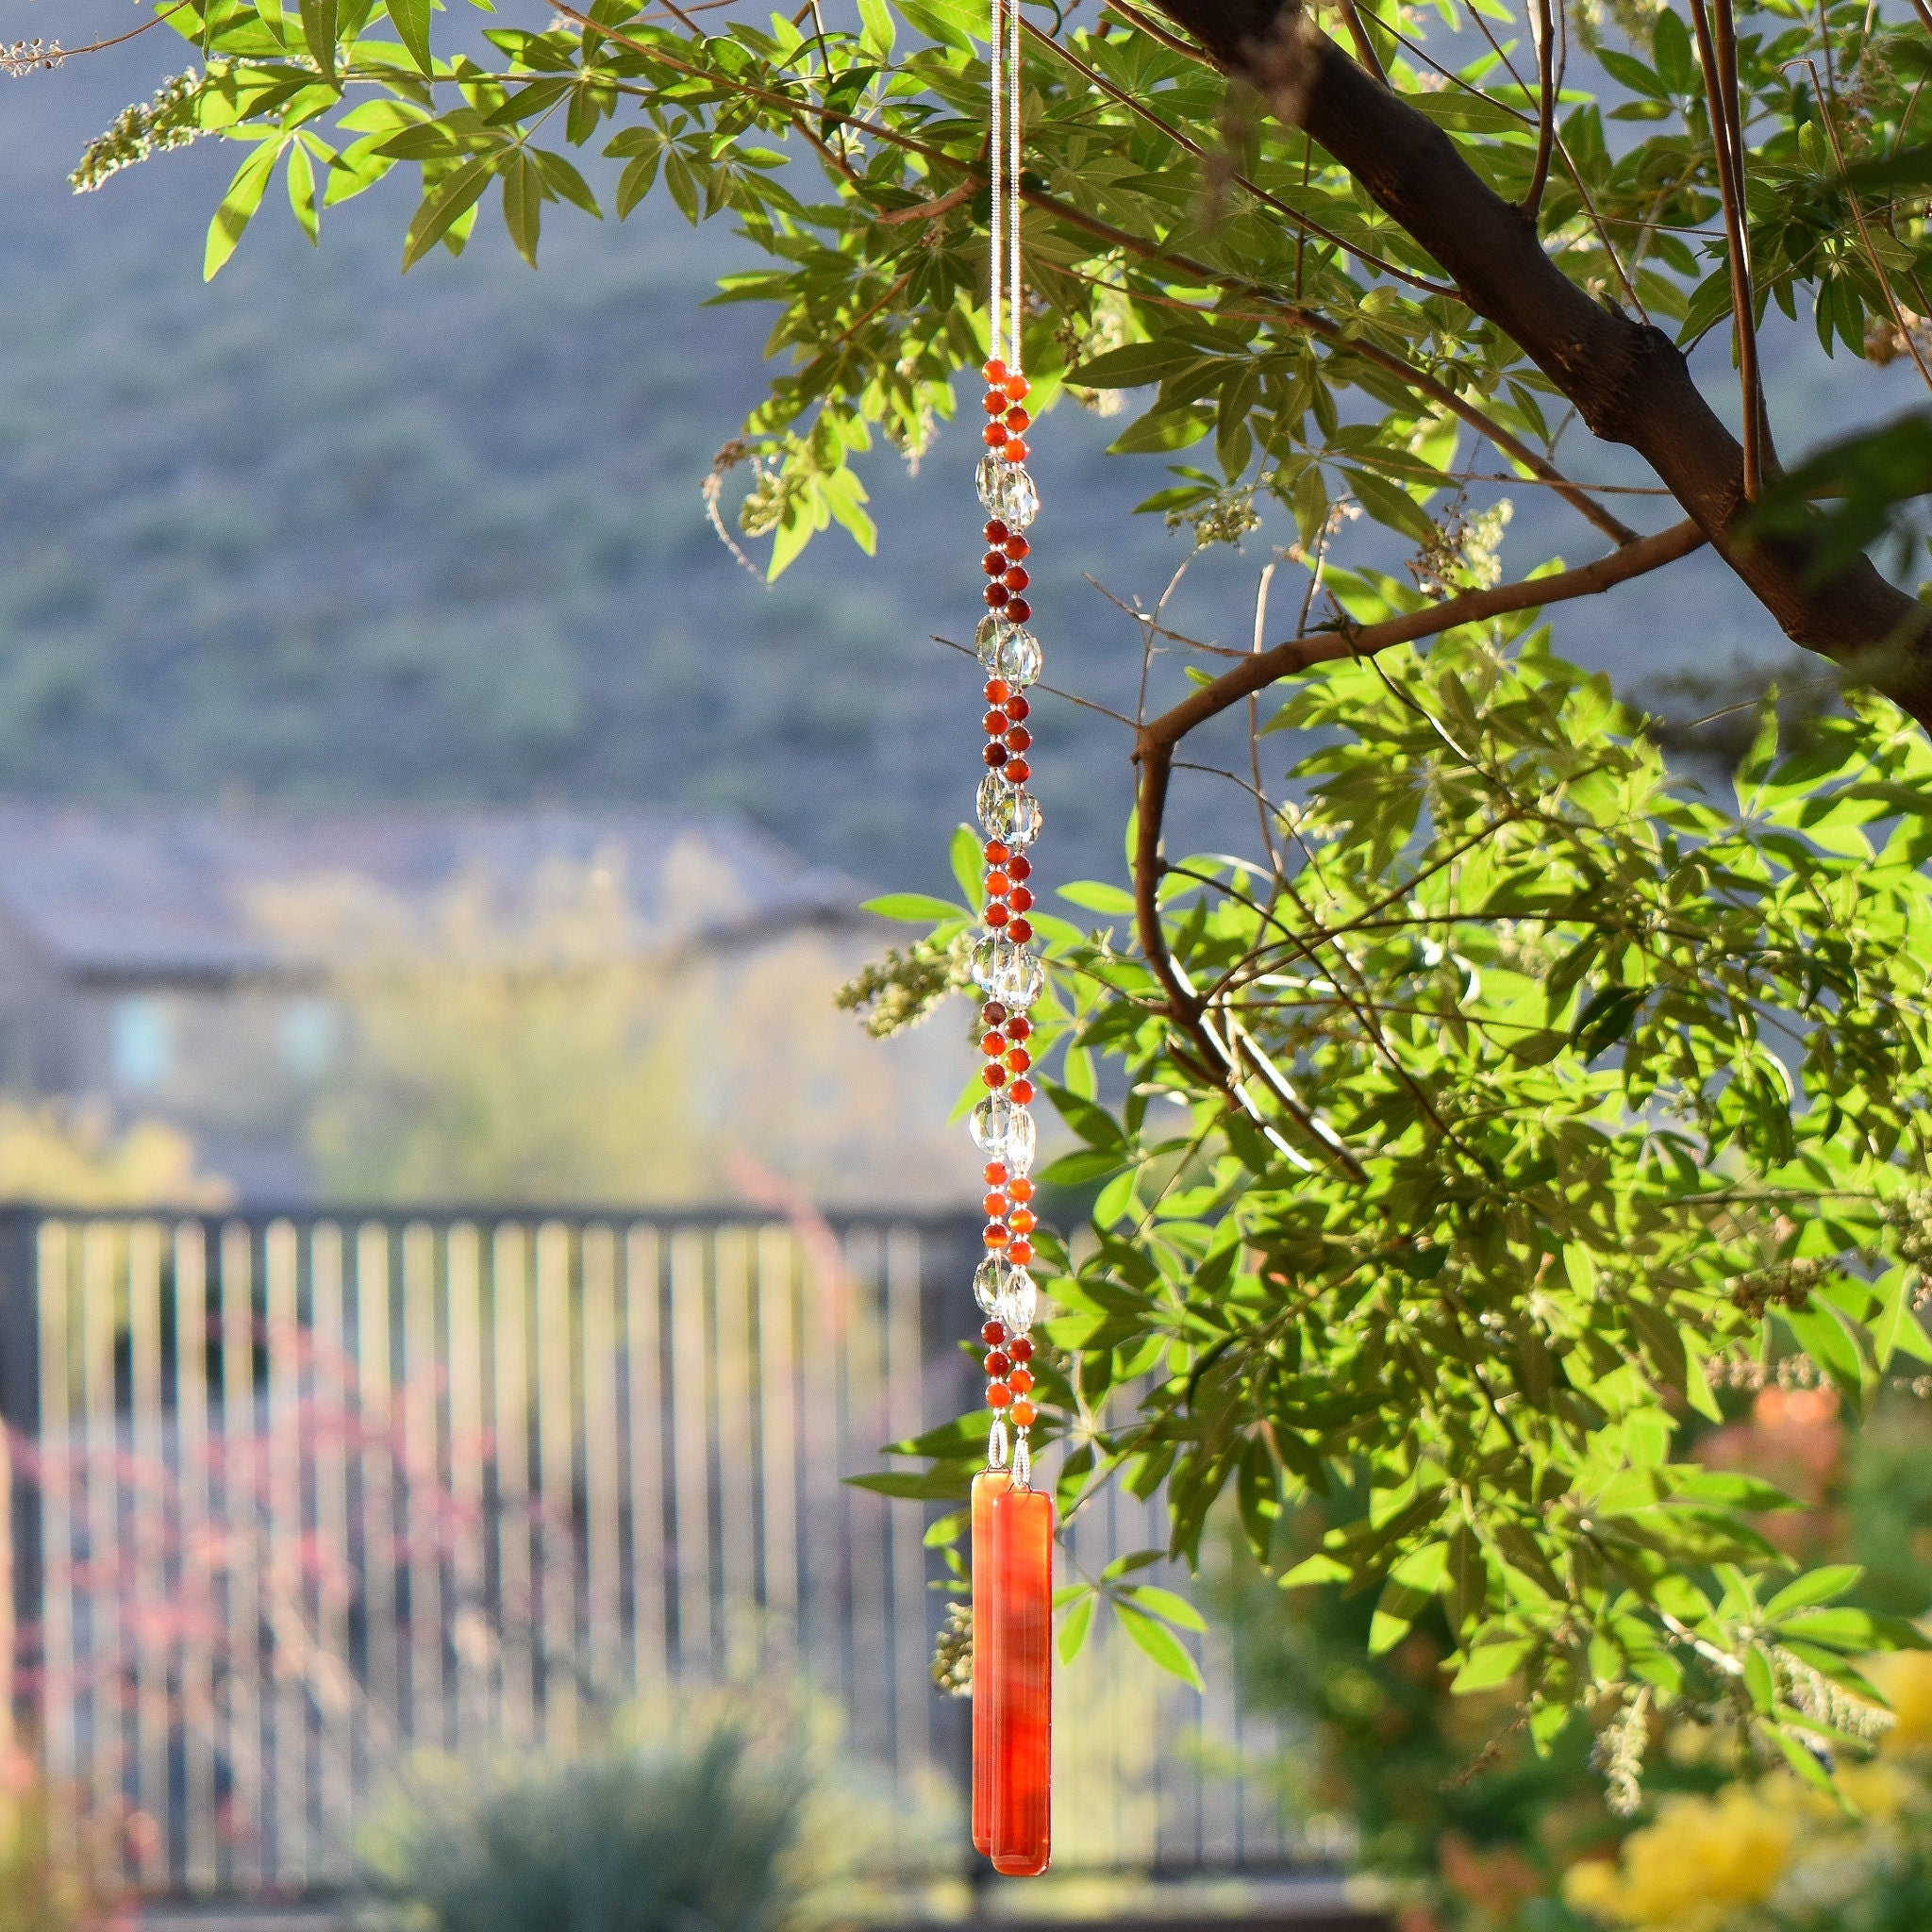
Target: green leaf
[(522, 204), (1098, 898), (1166, 1605), (1075, 1626), (237, 206), (411, 19), (458, 192), (914, 909), (319, 34), (1159, 1642), (1815, 1587)]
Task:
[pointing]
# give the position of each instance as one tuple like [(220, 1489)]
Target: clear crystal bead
[(1018, 1304), (989, 640), (1018, 977), (996, 812), (1003, 1132), (992, 1280), (1020, 818), (1008, 491), (1017, 655), (991, 964)]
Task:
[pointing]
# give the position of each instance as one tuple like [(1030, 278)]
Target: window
[(143, 1042)]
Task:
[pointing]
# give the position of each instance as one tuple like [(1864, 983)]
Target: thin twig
[(1546, 107)]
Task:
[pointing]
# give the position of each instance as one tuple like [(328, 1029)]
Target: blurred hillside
[(319, 533)]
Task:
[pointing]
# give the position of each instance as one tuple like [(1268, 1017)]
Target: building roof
[(159, 893)]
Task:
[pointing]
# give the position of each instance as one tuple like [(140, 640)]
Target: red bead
[(996, 1364), (1020, 930), (1018, 1380), (1017, 708), (1018, 738), (999, 691), (997, 912), (994, 564), (992, 1046), (1015, 450), (1019, 1060), (1021, 1091), (992, 1333), (995, 723), (994, 434), (997, 884), (996, 755), (995, 403), (1018, 609), (996, 532), (1017, 418), (993, 1074), (1016, 578), (995, 853), (993, 370), (1020, 1253), (998, 1395), (1023, 1413), (1020, 899), (994, 1234), (1015, 385), (1016, 546), (1020, 866), (997, 595), (995, 1205), (1020, 1349), (1023, 1221), (1019, 1029), (1018, 770)]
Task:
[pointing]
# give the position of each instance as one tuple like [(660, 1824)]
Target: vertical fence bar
[(863, 1418), (240, 1466), (103, 1582), (688, 1398), (333, 1394), (477, 1663), (286, 1603), (199, 1577), (907, 1618), (60, 1692), (375, 1512), (734, 1375), (643, 1302), (777, 1298), (602, 1468), (150, 1520), (510, 1412), (556, 1485), (422, 1485)]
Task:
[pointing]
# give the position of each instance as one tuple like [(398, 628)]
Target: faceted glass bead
[(1024, 816), (989, 638), (1005, 1131), (989, 964), (993, 1281), (1022, 978), (999, 810), (1018, 1303), (1006, 490), (1017, 655)]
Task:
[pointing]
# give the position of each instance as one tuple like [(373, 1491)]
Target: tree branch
[(1628, 381)]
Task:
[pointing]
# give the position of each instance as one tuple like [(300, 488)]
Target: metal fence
[(297, 1494)]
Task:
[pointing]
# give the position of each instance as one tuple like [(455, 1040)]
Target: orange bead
[(996, 912), (996, 755), (1017, 930), (1016, 578), (1019, 738), (1017, 418), (1018, 770), (1020, 1252), (1022, 1220), (995, 1205), (1020, 899), (995, 723), (1015, 386), (1020, 1349), (998, 1395), (1018, 609), (998, 884), (997, 854), (994, 1074), (994, 564), (992, 1046), (1022, 1189), (1017, 708), (999, 691), (997, 595), (993, 1333), (1016, 546), (995, 1172), (993, 370), (998, 1365), (1015, 450), (1022, 1415), (1019, 1060), (996, 531), (993, 435), (1018, 1380), (995, 403), (1021, 1091), (1020, 866), (994, 1235)]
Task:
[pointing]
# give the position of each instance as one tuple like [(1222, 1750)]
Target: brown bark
[(1629, 382)]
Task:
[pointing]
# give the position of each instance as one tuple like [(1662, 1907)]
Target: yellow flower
[(1877, 1793), (1701, 1860), (1906, 1678)]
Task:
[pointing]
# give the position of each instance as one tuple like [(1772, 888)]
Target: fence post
[(19, 1411)]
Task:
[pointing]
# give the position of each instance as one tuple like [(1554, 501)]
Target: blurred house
[(148, 964)]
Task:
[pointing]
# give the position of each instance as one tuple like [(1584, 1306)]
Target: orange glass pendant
[(1022, 1681), (987, 1487)]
